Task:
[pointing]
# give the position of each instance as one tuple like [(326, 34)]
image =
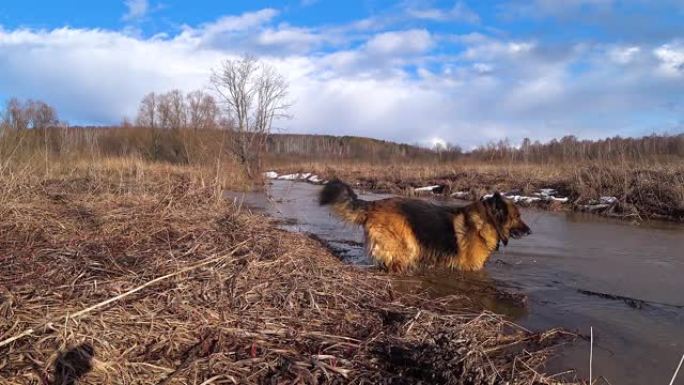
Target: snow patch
[(608, 200), (523, 198), (304, 177), (289, 177), (543, 195), (426, 188), (460, 195)]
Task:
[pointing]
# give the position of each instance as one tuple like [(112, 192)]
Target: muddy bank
[(636, 195), (241, 302)]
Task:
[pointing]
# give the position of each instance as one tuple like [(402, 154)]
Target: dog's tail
[(344, 201)]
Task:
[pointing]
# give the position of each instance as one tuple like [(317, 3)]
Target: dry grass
[(644, 190), (646, 175), (271, 307)]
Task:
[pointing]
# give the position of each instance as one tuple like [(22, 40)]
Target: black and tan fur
[(402, 233)]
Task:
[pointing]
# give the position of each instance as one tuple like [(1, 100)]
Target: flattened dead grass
[(269, 306)]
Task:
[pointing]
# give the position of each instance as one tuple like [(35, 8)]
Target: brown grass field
[(645, 190), (121, 271)]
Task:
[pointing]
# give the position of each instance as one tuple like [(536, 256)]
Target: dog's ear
[(497, 207), (498, 212)]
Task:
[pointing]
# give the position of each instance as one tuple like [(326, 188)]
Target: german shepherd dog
[(401, 233)]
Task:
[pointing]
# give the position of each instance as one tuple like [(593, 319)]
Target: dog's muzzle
[(519, 232)]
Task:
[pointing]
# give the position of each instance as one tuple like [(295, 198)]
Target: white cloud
[(400, 42), (289, 38), (383, 54), (137, 9), (495, 49), (237, 23), (227, 30), (671, 58), (467, 39), (255, 32), (537, 92), (483, 68), (459, 12), (623, 55)]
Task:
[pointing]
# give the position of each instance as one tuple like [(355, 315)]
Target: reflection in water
[(575, 271), (477, 286)]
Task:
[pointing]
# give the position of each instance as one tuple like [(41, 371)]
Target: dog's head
[(505, 217)]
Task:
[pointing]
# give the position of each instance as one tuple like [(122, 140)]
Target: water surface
[(577, 271)]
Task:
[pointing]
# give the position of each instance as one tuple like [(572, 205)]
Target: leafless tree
[(177, 110), (147, 113), (202, 110), (15, 117), (20, 115), (174, 110), (41, 115), (164, 111), (171, 110), (254, 95)]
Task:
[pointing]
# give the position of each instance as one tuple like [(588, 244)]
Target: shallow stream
[(576, 271)]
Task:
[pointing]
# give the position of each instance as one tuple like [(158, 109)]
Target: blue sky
[(411, 71)]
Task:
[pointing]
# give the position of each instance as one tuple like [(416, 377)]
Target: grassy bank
[(643, 189), (240, 301), (645, 175)]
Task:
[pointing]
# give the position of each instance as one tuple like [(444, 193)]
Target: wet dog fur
[(402, 233)]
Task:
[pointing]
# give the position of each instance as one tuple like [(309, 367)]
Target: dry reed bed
[(270, 307), (643, 190)]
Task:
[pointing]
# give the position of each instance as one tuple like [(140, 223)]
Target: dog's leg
[(395, 252)]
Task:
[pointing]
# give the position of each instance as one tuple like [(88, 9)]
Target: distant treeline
[(181, 128), (293, 147), (190, 145), (567, 149), (570, 149)]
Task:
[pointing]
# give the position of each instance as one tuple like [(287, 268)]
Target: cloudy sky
[(411, 71)]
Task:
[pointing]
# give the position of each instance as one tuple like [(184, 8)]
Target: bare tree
[(42, 115), (20, 115), (171, 110), (202, 111), (164, 111), (174, 110), (177, 109), (15, 116), (254, 95), (147, 113)]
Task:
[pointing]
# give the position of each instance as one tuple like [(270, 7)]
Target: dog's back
[(431, 225)]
